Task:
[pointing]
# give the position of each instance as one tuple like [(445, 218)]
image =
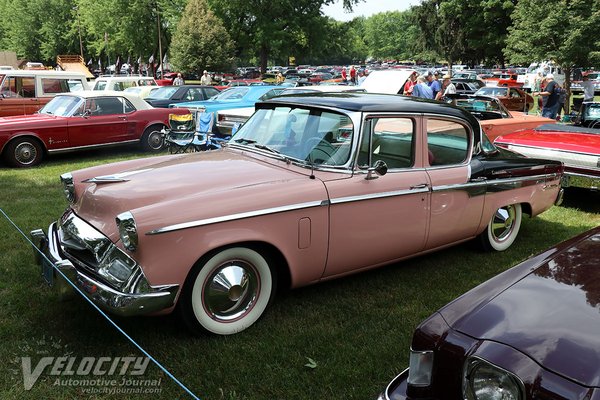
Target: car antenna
[(312, 165)]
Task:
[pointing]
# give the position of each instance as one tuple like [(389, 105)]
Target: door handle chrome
[(420, 186)]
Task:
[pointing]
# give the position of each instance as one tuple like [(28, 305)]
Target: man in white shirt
[(588, 89), (206, 79), (447, 83)]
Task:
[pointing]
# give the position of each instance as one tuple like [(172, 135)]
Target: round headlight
[(127, 230), (484, 381)]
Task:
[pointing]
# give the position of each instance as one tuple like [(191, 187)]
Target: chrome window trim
[(238, 216)]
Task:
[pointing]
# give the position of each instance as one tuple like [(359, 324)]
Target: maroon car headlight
[(127, 230), (68, 187), (485, 381)]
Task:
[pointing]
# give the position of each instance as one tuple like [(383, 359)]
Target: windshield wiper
[(246, 141), (272, 150)]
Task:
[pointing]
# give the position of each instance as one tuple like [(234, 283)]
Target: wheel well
[(274, 257), (526, 209), (25, 136), (157, 126)]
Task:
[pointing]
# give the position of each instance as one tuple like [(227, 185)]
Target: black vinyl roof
[(372, 102)]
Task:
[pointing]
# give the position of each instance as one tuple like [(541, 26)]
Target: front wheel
[(503, 228), (228, 293), (153, 139), (23, 152)]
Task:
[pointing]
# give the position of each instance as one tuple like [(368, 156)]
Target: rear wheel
[(153, 139), (24, 152), (228, 292), (502, 229)]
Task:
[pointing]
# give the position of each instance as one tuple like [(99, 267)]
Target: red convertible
[(82, 120), (576, 146)]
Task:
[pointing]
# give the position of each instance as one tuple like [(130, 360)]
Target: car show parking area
[(340, 339)]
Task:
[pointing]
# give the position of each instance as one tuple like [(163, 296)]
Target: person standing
[(344, 75), (353, 75), (433, 84), (206, 79), (362, 75), (410, 84), (421, 89), (588, 89), (550, 95), (447, 87), (178, 81), (562, 98)]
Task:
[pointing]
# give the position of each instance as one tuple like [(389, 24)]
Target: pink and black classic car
[(82, 120), (312, 187), (529, 333), (576, 146)]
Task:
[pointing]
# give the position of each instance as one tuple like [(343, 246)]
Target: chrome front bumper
[(152, 300)]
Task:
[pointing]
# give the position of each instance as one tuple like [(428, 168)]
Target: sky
[(366, 8)]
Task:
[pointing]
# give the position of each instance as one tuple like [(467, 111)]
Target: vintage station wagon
[(312, 187)]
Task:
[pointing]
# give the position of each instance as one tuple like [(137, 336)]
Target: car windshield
[(165, 92), (316, 137), (62, 106), (235, 93), (492, 91), (483, 109)]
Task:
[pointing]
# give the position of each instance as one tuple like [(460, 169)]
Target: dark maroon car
[(532, 332)]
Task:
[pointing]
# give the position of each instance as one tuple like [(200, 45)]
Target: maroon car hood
[(28, 120), (552, 314), (582, 142)]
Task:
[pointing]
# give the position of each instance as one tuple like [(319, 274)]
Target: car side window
[(194, 94), (447, 142), (390, 140), (105, 106), (210, 92), (19, 87), (128, 107)]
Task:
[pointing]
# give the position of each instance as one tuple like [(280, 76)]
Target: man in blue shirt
[(433, 83), (421, 89)]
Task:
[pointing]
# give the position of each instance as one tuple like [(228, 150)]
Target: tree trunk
[(264, 54), (567, 72)]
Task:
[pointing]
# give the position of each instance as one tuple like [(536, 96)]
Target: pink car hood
[(175, 189)]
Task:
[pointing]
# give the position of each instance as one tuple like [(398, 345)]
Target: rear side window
[(447, 142), (58, 85), (100, 85)]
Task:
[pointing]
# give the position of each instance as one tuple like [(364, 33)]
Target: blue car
[(235, 97)]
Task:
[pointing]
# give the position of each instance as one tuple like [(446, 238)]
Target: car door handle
[(420, 186), (123, 118)]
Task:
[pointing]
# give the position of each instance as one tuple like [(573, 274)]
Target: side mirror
[(380, 168)]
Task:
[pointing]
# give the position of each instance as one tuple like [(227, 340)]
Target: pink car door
[(375, 219), (104, 121), (456, 201)]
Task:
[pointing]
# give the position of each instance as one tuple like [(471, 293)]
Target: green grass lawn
[(357, 329)]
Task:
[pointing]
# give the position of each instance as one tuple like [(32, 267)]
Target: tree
[(392, 35), (201, 41), (262, 27), (563, 31)]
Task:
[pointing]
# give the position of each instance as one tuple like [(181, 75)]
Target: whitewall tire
[(503, 228), (229, 292)]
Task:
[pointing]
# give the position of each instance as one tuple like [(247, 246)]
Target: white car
[(120, 83)]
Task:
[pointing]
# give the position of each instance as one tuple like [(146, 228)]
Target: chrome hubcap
[(231, 291), (155, 140), (25, 153), (503, 223)]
